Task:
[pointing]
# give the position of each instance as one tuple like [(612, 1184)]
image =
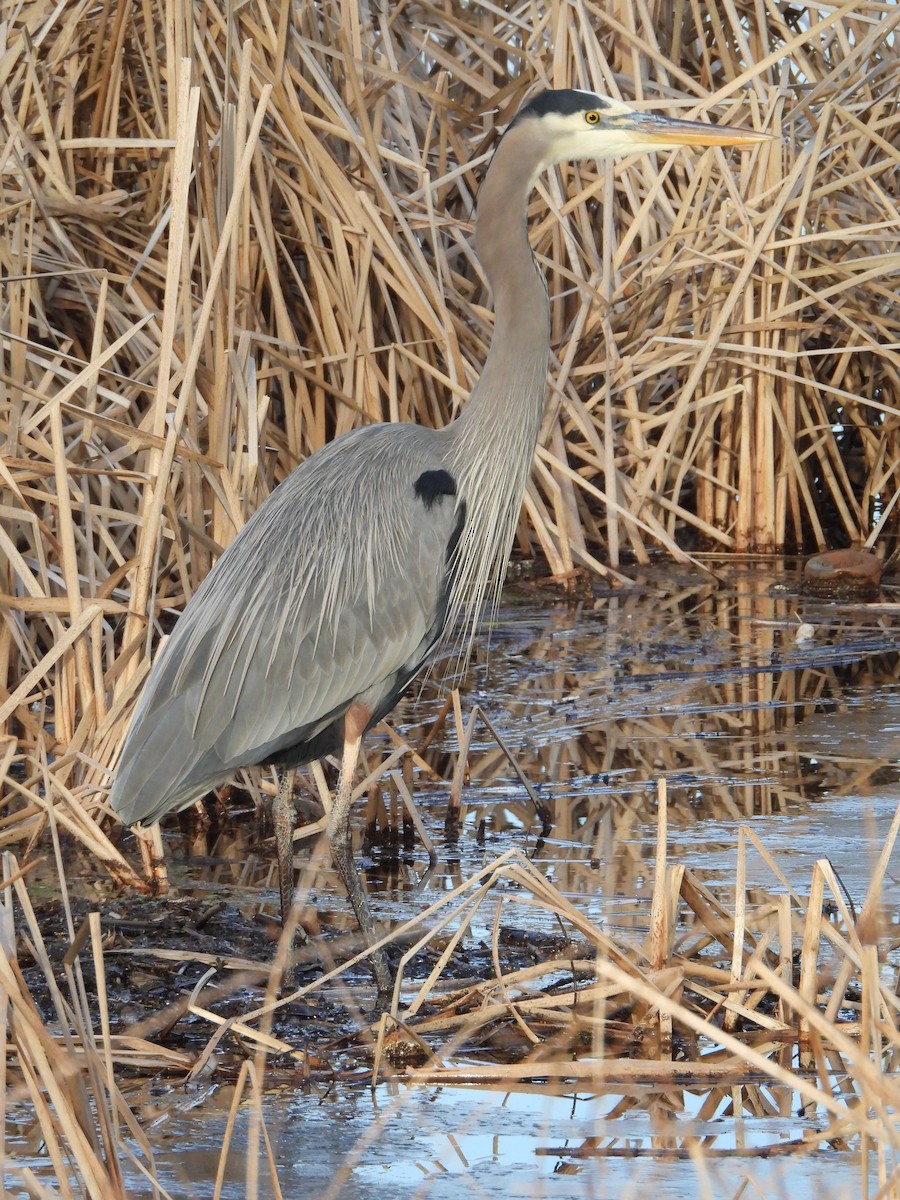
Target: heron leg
[(339, 838), (283, 819)]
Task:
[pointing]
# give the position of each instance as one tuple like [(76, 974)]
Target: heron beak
[(650, 128)]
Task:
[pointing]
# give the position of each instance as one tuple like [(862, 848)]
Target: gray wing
[(334, 591)]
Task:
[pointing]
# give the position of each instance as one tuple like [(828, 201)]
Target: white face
[(608, 128), (602, 130)]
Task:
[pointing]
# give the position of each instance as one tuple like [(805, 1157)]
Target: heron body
[(333, 596), (269, 654)]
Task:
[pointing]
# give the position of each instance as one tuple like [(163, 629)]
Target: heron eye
[(592, 117)]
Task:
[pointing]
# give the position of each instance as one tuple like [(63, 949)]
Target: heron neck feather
[(493, 440)]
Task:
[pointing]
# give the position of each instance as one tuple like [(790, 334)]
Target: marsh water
[(756, 706)]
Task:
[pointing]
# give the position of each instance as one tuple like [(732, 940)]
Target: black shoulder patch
[(432, 485), (563, 101)]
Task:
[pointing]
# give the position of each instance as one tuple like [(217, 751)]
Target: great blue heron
[(333, 596)]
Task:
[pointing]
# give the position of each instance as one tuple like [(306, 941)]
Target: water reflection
[(433, 1142), (704, 683), (707, 686)]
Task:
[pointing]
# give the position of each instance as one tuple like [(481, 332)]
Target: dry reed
[(773, 997), (227, 240), (230, 234)]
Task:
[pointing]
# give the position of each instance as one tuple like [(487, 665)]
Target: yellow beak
[(669, 131)]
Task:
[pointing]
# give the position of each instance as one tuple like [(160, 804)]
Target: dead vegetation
[(226, 241), (230, 234), (768, 998), (759, 1003)]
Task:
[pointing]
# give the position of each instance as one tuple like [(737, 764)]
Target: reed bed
[(230, 234), (227, 238)]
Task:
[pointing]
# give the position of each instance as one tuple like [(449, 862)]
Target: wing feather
[(334, 590)]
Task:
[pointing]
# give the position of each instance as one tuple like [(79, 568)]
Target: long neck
[(491, 445), (510, 393)]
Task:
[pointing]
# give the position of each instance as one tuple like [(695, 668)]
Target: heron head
[(575, 125)]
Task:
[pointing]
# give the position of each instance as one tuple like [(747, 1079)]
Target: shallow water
[(444, 1142), (701, 683)]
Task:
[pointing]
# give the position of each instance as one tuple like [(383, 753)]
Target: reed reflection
[(703, 683)]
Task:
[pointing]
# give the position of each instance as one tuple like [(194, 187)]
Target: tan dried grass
[(755, 1003), (229, 240), (228, 237)]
